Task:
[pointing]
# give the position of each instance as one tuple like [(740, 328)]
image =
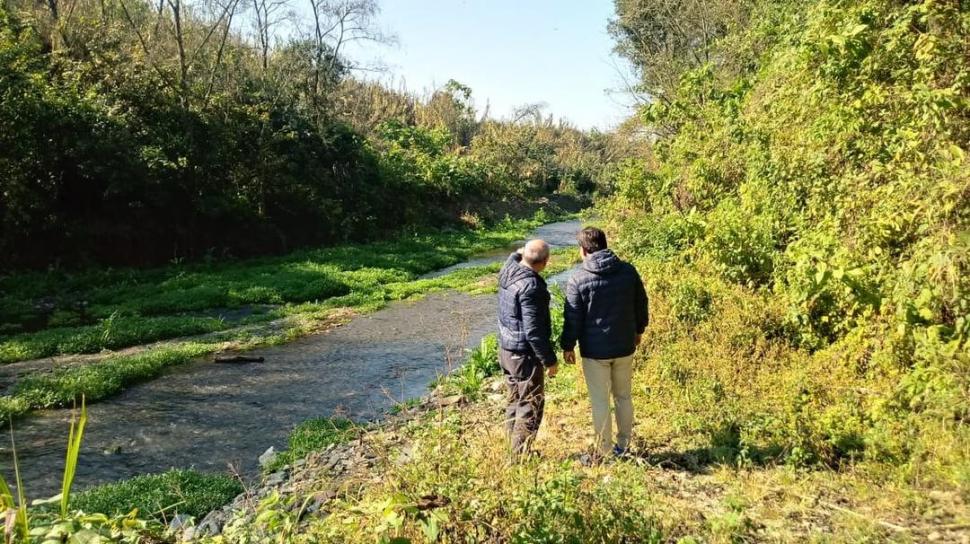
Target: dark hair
[(591, 239)]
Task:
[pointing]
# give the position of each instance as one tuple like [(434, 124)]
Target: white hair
[(535, 252)]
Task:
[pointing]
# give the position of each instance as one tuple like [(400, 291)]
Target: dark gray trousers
[(524, 376)]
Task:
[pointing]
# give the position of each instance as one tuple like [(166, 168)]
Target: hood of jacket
[(602, 262), (515, 271)]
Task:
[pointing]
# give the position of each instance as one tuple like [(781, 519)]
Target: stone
[(319, 500), (241, 499), (452, 400), (405, 455), (299, 463), (268, 457), (179, 522), (275, 478), (332, 461), (211, 524)]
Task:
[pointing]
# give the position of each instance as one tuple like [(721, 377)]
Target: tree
[(665, 38), (335, 24), (266, 15), (176, 19)]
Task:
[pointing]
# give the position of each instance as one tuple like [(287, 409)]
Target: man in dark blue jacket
[(606, 312), (525, 344)]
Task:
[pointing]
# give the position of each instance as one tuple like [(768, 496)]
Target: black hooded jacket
[(524, 323), (606, 307)]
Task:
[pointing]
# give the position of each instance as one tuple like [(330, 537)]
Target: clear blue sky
[(510, 52)]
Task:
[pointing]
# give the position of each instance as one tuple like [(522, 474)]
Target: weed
[(314, 435), (161, 496)]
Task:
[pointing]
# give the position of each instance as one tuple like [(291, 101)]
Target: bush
[(741, 244), (480, 364), (690, 301), (823, 147)]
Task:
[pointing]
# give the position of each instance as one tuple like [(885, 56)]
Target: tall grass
[(74, 437), (19, 523)]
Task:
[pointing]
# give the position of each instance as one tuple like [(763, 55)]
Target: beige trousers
[(603, 377)]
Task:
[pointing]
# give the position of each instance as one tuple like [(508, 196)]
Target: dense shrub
[(113, 155), (823, 149)]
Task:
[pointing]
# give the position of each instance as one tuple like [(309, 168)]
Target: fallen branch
[(239, 359)]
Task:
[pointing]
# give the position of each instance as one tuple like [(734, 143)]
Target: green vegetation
[(480, 364), (133, 307), (314, 435), (371, 274), (161, 496), (805, 225), (126, 512), (804, 230), (114, 332), (137, 135), (96, 380), (685, 484), (796, 199), (37, 521)]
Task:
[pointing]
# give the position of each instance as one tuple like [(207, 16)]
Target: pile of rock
[(308, 484)]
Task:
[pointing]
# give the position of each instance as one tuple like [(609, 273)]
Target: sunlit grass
[(371, 289), (124, 308)]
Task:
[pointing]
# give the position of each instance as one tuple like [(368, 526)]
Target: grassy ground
[(299, 287), (110, 309), (160, 496), (445, 476)]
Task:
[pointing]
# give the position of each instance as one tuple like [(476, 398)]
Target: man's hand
[(637, 340), (569, 357), (551, 371)]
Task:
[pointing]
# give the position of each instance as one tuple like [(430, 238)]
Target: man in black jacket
[(606, 312), (525, 345)]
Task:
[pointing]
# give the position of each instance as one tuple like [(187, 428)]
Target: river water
[(210, 416)]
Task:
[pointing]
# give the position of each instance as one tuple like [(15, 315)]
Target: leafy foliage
[(118, 147), (481, 364), (161, 495), (314, 435), (804, 221)]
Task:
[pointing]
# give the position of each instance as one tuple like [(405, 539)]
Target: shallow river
[(209, 416)]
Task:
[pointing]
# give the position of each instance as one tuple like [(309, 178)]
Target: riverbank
[(211, 417), (439, 472)]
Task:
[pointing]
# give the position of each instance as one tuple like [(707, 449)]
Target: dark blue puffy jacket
[(524, 323), (606, 307)]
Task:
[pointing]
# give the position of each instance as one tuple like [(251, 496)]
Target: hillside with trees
[(794, 191), (811, 182), (137, 133)]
